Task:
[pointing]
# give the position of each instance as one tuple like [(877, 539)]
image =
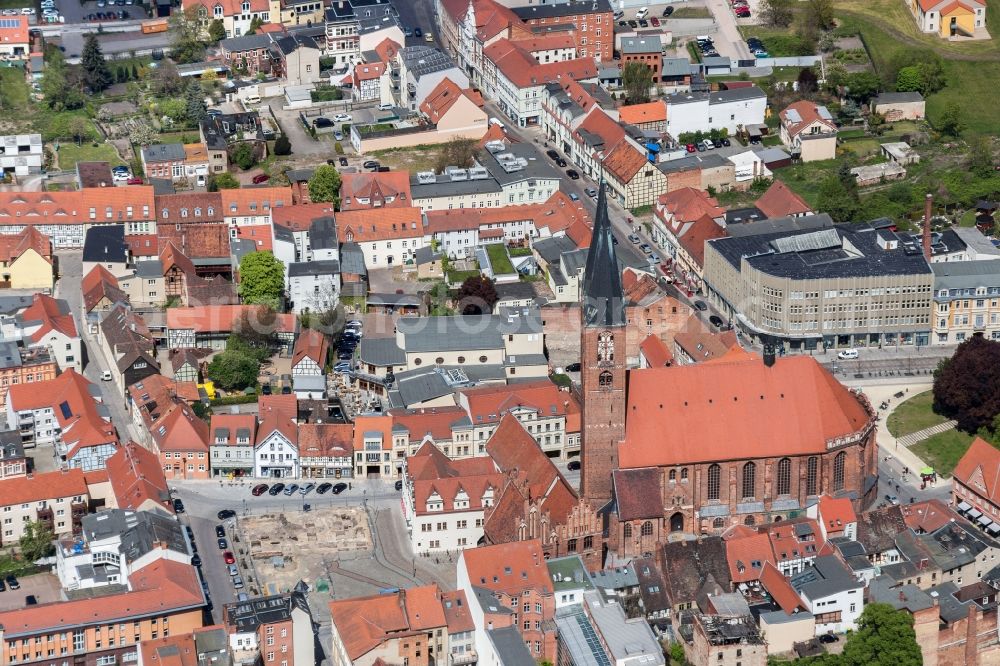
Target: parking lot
[(44, 587)]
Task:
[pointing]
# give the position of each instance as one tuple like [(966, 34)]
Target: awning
[(963, 506), (984, 520), (974, 513)]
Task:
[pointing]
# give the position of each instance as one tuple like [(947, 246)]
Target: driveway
[(302, 142), (728, 41)]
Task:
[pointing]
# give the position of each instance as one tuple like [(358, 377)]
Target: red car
[(655, 22), (261, 178), (691, 148), (259, 489), (135, 181), (228, 557)]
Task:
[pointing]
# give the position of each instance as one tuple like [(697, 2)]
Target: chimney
[(927, 226)]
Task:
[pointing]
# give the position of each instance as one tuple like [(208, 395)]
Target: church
[(695, 449)]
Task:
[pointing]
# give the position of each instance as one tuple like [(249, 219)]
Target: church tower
[(602, 361)]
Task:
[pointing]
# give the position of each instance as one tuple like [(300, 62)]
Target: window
[(714, 472), (749, 479), (812, 466), (749, 521), (628, 530), (718, 523), (838, 470), (571, 545), (784, 476), (673, 475), (605, 380), (606, 347), (647, 528)]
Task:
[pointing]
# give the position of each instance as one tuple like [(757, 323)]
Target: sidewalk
[(921, 435)]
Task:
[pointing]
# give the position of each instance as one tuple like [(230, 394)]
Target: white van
[(642, 13), (847, 354), (252, 99)]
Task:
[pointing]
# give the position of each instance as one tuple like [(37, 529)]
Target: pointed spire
[(603, 296)]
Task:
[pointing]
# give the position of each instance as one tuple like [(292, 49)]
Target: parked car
[(398, 485), (3, 587), (561, 163), (590, 192), (645, 248), (573, 466), (700, 146), (642, 13), (408, 32), (828, 638), (386, 107), (700, 305), (30, 600), (667, 11), (12, 583), (573, 196), (717, 143), (223, 544), (643, 23), (892, 499), (573, 367), (417, 32), (634, 239), (573, 174), (690, 148), (260, 178), (633, 24), (342, 118), (220, 531), (323, 487), (342, 367), (134, 181), (343, 161), (306, 489), (276, 488), (196, 560), (370, 164), (655, 22), (708, 144), (622, 24), (552, 154), (233, 570), (338, 135), (291, 488), (726, 142), (847, 354), (237, 583), (226, 514), (338, 488), (428, 38), (178, 506), (322, 122), (259, 489), (716, 321)]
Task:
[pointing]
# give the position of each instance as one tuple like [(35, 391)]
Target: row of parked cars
[(707, 144), (741, 8), (292, 488), (346, 346), (707, 47), (120, 15), (757, 48)]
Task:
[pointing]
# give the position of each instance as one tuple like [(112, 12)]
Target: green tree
[(282, 146), (325, 185), (96, 75), (173, 108), (636, 81), (950, 122), (861, 86), (777, 13), (167, 81), (222, 181), (885, 637), (255, 332), (456, 152), (836, 76), (187, 30), (932, 74), (194, 100), (835, 200), (820, 14), (233, 370), (244, 157), (255, 24), (807, 81), (909, 79), (980, 161), (36, 541), (262, 279), (80, 129), (135, 72), (216, 31)]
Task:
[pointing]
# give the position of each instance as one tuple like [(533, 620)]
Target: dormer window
[(246, 7), (218, 11)]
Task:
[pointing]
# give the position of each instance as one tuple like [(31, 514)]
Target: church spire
[(603, 296)]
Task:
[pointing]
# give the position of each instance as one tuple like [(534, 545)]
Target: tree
[(96, 75), (216, 31), (233, 370), (173, 108), (861, 86), (835, 199), (885, 637), (636, 81), (325, 185), (255, 332), (166, 81), (135, 72), (967, 388), (927, 64), (477, 295), (255, 24), (187, 31), (981, 157), (142, 134), (950, 123), (777, 13), (836, 76), (262, 279), (457, 152), (222, 181), (80, 129), (819, 14), (807, 81), (36, 541), (243, 156), (194, 98), (282, 146), (909, 79)]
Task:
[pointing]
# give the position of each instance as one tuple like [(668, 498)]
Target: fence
[(790, 61)]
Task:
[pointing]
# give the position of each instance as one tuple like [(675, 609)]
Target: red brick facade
[(603, 391), (594, 33)]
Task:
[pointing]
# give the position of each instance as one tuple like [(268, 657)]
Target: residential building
[(182, 441), (236, 15), (232, 444), (147, 398), (326, 450), (137, 479), (965, 295), (209, 644), (356, 26), (271, 630), (421, 70), (276, 451), (808, 131), (899, 106), (831, 594), (13, 462), (825, 287), (128, 343), (386, 237), (291, 57), (163, 597), (223, 132), (414, 626), (389, 189), (964, 18), (780, 201), (105, 246), (683, 220), (209, 326), (58, 499), (455, 111), (517, 577), (444, 500), (20, 154), (646, 116), (647, 51), (310, 354), (597, 631), (975, 490), (593, 23), (164, 160), (367, 78), (26, 261), (723, 109), (20, 366)]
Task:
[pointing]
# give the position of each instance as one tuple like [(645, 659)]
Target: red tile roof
[(808, 113), (368, 71), (188, 208), (254, 201), (158, 589), (100, 283), (46, 310), (260, 234), (687, 204), (650, 112), (312, 344), (697, 234), (330, 440), (13, 246), (927, 516), (836, 513), (364, 226), (375, 187), (366, 424), (301, 216), (16, 35), (704, 345), (137, 477), (143, 245), (365, 623), (43, 486), (625, 161), (558, 213), (510, 568), (229, 7), (71, 398), (523, 70), (638, 493), (433, 473), (197, 241), (435, 422), (277, 413), (928, 5), (456, 612), (179, 429), (109, 204), (387, 49), (443, 97), (231, 423), (979, 470), (791, 408), (152, 396), (655, 352), (489, 404), (747, 556), (780, 201), (220, 318), (780, 589)]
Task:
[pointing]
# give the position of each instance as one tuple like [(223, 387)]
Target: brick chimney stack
[(927, 226)]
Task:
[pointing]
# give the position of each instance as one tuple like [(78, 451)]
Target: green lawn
[(499, 259), (779, 42), (691, 12), (806, 178), (944, 450), (913, 415), (69, 154), (14, 91)]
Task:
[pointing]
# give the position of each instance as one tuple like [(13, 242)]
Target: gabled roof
[(74, 403), (979, 470), (329, 440), (277, 413), (42, 486), (637, 493), (51, 315), (625, 161), (523, 70), (436, 477), (376, 187), (780, 589), (650, 112), (137, 477), (440, 100), (180, 429), (387, 49), (13, 246), (509, 568), (434, 422), (171, 256), (233, 427), (747, 555), (655, 352), (697, 234), (489, 404), (311, 344), (793, 407), (216, 318), (377, 224), (797, 116), (780, 201)]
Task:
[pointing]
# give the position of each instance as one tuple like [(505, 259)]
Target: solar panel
[(64, 408), (10, 23)]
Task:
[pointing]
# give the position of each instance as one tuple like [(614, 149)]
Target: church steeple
[(603, 296)]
